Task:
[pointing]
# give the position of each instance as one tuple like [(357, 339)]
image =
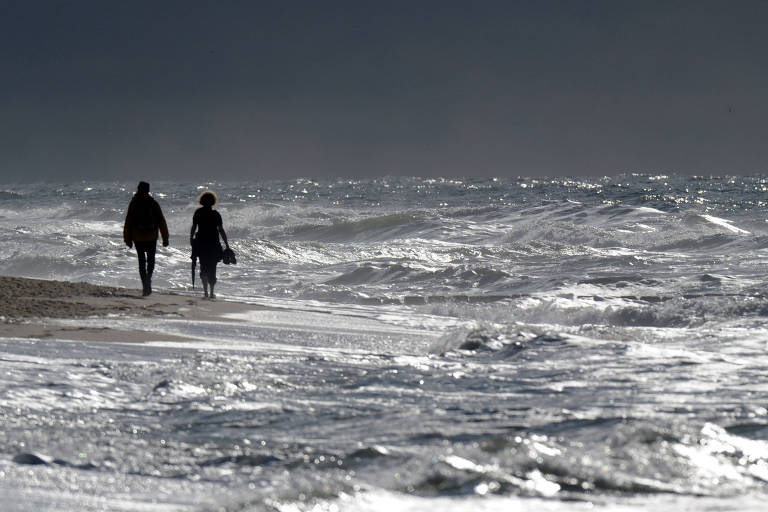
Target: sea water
[(414, 344)]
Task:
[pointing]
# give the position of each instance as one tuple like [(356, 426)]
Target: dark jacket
[(132, 230)]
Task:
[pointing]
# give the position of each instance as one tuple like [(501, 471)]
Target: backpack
[(144, 216)]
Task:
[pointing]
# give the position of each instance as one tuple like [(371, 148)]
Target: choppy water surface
[(414, 344)]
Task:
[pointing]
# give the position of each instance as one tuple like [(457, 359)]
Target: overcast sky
[(227, 90)]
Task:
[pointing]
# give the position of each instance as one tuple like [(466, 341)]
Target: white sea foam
[(727, 224)]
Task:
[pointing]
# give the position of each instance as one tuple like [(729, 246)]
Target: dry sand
[(29, 307)]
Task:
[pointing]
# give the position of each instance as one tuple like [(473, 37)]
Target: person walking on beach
[(205, 244), (142, 222)]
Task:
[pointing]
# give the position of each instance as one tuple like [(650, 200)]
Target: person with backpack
[(142, 222)]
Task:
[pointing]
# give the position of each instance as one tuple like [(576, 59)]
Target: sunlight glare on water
[(412, 344)]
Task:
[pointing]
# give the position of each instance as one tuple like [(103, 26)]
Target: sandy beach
[(34, 308)]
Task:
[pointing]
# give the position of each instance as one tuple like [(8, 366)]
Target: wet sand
[(31, 308)]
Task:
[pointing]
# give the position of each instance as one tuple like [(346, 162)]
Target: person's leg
[(142, 254), (204, 264), (151, 249), (212, 278)]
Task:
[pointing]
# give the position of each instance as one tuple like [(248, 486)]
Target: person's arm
[(221, 229), (128, 229), (192, 231), (163, 225), (223, 235)]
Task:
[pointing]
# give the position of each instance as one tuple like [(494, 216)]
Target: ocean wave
[(575, 459), (501, 342), (561, 232), (622, 281), (40, 267), (7, 195), (375, 228), (456, 277), (704, 242), (486, 212), (719, 222)]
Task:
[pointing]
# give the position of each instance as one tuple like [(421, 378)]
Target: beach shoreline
[(44, 309)]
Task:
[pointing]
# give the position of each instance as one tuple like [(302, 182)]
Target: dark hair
[(143, 187), (208, 198)]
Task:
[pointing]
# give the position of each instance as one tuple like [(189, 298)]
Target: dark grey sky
[(225, 90)]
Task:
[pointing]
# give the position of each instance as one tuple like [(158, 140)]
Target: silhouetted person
[(205, 244), (142, 222)]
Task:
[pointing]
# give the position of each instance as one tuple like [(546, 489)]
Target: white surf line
[(648, 209), (272, 347), (725, 224), (311, 321), (230, 335)]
